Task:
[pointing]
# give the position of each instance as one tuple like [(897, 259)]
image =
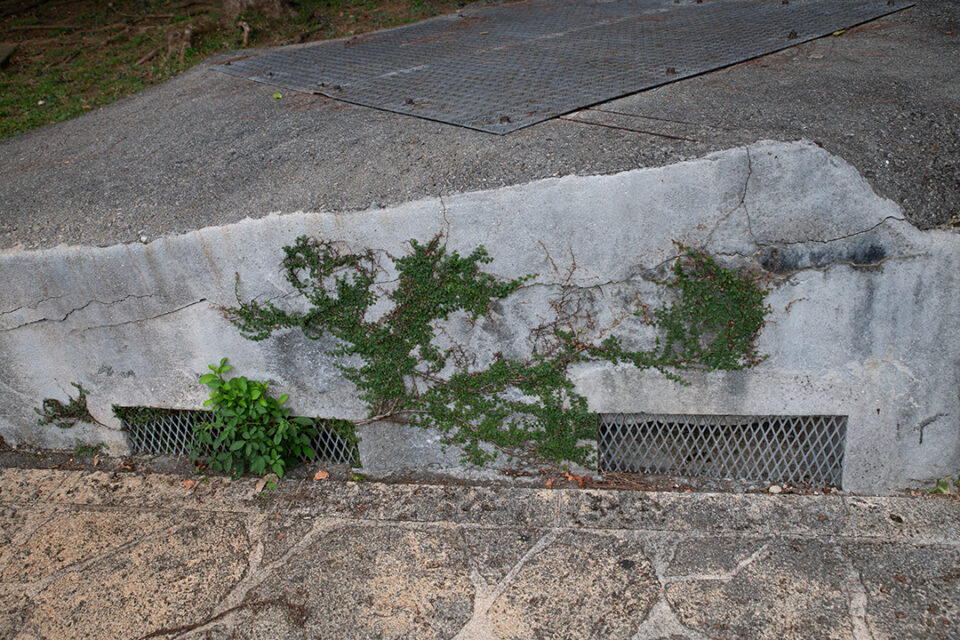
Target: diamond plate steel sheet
[(499, 69)]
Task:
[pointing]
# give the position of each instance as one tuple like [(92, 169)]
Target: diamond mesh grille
[(759, 448), (501, 68), (170, 431)]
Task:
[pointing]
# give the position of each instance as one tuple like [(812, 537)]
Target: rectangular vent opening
[(170, 431), (754, 448)]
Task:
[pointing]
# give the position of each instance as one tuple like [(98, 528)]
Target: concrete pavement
[(92, 554)]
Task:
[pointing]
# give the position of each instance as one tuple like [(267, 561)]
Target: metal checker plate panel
[(760, 448), (499, 69)]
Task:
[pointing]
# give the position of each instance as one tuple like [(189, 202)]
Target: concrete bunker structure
[(864, 320)]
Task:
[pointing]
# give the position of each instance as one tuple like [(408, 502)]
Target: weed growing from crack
[(52, 411), (943, 485), (531, 406), (88, 450)]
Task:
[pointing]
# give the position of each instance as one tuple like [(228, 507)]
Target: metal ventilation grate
[(759, 448), (170, 431)]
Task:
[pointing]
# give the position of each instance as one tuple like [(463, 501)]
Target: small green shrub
[(251, 431)]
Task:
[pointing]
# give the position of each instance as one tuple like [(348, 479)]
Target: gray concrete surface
[(207, 149), (89, 554), (863, 305)]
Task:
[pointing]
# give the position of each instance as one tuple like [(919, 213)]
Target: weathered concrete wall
[(864, 320)]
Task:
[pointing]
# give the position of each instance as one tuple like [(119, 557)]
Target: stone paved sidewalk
[(92, 554)]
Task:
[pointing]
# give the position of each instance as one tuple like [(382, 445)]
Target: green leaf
[(277, 95)]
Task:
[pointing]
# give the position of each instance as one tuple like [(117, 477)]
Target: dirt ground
[(72, 56)]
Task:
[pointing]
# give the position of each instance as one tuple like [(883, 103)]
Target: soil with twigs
[(71, 56)]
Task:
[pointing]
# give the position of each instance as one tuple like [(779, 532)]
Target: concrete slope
[(119, 555), (863, 320), (207, 149)]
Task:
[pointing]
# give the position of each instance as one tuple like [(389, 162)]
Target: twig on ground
[(40, 27), (148, 56), (246, 32), (70, 57)]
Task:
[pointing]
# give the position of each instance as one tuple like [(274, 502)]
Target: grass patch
[(75, 56)]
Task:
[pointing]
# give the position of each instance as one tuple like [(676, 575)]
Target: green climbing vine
[(528, 407)]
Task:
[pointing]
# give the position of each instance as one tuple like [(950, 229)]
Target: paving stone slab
[(908, 592), (705, 512), (784, 589), (583, 585), (162, 581), (94, 554), (361, 581)]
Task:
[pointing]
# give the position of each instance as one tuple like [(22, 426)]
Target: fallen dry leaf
[(572, 478), (551, 482), (189, 484), (262, 482), (96, 461), (321, 475)]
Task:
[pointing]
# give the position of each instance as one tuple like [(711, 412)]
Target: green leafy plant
[(251, 431), (942, 486), (88, 450), (522, 407), (52, 411)]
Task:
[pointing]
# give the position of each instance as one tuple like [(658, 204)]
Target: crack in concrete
[(662, 622), (159, 315), (479, 627), (32, 307), (746, 209), (856, 593), (741, 204), (725, 576), (80, 308), (926, 423), (846, 236), (24, 534), (35, 588)]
